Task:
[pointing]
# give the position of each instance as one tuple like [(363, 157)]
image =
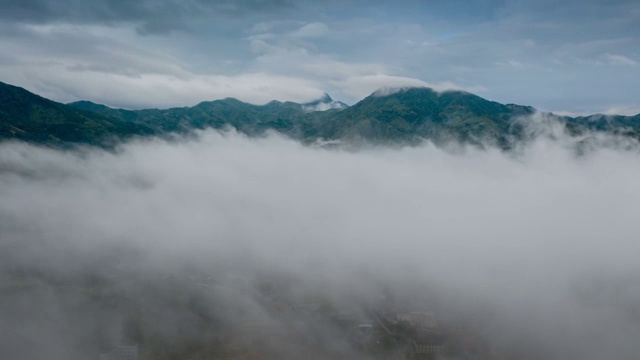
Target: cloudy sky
[(570, 56)]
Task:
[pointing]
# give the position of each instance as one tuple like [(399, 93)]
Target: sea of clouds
[(535, 249)]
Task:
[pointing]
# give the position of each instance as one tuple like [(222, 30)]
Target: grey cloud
[(470, 43), (151, 16)]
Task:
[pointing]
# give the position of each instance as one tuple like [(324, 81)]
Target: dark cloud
[(151, 16)]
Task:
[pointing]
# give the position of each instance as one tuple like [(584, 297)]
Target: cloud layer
[(536, 251)]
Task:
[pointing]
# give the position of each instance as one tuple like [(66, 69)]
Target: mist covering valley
[(213, 246)]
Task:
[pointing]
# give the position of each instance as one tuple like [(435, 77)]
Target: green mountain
[(286, 117), (410, 115), (406, 116), (618, 124), (400, 116), (29, 117)]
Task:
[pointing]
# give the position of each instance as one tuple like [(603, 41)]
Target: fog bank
[(534, 250)]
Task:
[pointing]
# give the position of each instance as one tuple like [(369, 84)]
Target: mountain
[(29, 117), (286, 117), (389, 116), (618, 124), (323, 104), (413, 114)]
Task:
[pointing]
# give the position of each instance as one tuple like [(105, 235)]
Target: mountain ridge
[(407, 115), (30, 117)]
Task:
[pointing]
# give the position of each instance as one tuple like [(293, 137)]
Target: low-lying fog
[(535, 251)]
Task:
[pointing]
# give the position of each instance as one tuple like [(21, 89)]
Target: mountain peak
[(391, 90), (326, 98), (323, 103)]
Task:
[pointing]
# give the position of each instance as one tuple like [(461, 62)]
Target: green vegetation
[(406, 116), (29, 117)]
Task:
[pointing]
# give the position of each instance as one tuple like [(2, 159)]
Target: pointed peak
[(326, 98), (324, 103)]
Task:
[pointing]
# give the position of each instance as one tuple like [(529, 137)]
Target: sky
[(571, 57)]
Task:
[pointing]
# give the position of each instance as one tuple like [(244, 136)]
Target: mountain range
[(390, 116)]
